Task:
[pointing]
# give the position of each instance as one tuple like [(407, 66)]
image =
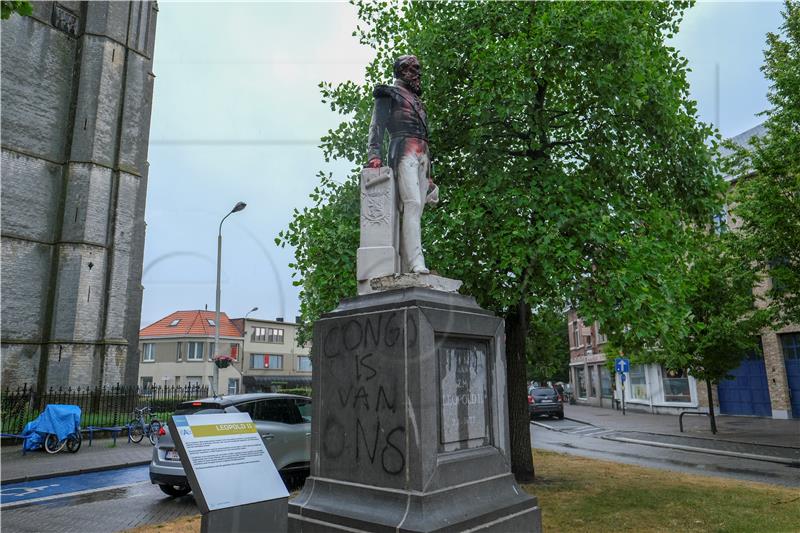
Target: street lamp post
[(250, 311), (238, 207)]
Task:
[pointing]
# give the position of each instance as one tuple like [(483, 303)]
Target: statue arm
[(377, 129)]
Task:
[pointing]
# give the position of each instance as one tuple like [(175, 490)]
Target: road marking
[(25, 490), (68, 495)]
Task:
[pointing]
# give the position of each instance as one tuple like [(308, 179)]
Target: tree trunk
[(517, 325)]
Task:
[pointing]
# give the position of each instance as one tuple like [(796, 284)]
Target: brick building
[(766, 384), (77, 87), (650, 388)]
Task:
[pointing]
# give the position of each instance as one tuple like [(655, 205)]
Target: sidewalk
[(739, 436), (752, 430), (102, 455)]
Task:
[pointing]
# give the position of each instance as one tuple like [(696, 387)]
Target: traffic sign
[(622, 365)]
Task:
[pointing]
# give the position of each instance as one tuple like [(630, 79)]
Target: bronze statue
[(399, 109)]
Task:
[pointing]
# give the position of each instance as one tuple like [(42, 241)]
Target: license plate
[(172, 455), (545, 400)]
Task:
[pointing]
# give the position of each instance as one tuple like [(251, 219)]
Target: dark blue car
[(545, 401)]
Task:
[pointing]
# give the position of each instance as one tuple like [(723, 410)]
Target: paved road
[(108, 501), (567, 436)]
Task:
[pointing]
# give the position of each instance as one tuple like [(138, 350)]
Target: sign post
[(234, 480), (622, 365)]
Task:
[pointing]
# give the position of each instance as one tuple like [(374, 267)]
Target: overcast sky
[(237, 116)]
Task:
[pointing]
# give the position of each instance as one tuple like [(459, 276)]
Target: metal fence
[(100, 406)]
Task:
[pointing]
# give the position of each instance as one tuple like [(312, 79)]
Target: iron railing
[(100, 406)]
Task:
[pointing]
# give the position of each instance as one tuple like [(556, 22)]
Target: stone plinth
[(409, 430), (409, 280)]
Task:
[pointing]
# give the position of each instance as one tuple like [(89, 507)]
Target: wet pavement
[(13, 494), (578, 438), (102, 455), (102, 509)]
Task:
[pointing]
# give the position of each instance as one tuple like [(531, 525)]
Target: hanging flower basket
[(223, 361)]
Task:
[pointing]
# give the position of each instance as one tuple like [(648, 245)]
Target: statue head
[(408, 70)]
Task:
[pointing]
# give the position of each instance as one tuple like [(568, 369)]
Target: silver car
[(282, 420)]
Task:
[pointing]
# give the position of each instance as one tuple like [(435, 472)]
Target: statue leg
[(412, 184)]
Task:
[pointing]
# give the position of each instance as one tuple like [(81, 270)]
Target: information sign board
[(225, 460)]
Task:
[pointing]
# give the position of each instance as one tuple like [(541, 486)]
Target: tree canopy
[(9, 7), (726, 314), (570, 161), (766, 197)]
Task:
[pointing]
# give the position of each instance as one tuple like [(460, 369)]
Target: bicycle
[(138, 428), (72, 443)]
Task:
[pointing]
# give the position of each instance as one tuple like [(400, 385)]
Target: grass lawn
[(578, 494)]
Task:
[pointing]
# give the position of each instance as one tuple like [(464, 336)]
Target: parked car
[(545, 401), (282, 420)]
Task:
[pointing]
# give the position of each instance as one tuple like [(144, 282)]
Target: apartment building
[(178, 350), (272, 359)]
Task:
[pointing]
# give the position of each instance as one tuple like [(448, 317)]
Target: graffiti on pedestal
[(364, 419)]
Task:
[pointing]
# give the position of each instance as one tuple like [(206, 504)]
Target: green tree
[(767, 194), (9, 7), (569, 158), (726, 314), (325, 238), (548, 347)]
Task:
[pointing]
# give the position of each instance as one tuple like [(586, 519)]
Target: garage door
[(791, 354), (747, 392)]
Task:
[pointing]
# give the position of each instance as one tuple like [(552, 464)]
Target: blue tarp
[(63, 420)]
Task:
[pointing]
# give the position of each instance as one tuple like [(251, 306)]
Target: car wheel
[(175, 490), (561, 415)]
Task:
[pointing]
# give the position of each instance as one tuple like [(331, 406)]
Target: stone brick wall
[(776, 371), (76, 103)]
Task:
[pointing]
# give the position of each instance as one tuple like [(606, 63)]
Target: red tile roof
[(191, 324)]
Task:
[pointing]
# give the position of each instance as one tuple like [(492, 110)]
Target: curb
[(710, 451), (88, 470), (692, 436), (578, 421)]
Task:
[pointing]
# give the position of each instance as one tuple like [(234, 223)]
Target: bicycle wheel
[(74, 442), (52, 444), (135, 431), (155, 426)]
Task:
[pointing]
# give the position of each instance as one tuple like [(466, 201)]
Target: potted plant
[(223, 361)]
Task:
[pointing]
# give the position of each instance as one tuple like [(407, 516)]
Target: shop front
[(653, 388)]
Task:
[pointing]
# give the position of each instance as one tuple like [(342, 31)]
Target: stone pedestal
[(409, 429)]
